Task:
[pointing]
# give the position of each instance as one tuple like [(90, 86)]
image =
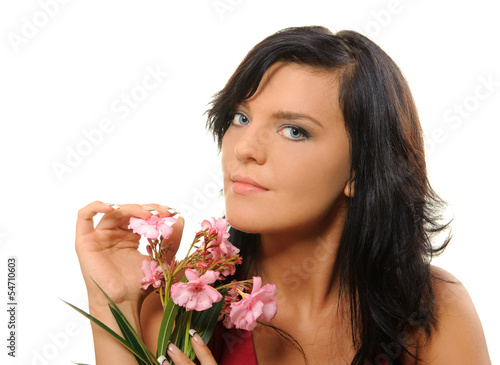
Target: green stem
[(167, 290), (195, 241), (161, 297), (228, 285), (186, 335), (167, 281), (183, 262)]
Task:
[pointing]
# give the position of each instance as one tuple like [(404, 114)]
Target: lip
[(246, 185)]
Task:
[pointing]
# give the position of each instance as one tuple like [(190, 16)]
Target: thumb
[(175, 239)]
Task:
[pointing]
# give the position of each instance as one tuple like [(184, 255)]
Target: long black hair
[(386, 248)]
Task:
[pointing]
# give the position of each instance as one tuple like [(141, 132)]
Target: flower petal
[(191, 274), (180, 293), (166, 231), (257, 283), (209, 277)]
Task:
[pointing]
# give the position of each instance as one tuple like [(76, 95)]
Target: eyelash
[(300, 130), (240, 114), (305, 135)]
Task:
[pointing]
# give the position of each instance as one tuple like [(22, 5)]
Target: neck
[(304, 265)]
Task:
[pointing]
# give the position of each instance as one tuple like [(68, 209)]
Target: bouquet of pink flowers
[(201, 298)]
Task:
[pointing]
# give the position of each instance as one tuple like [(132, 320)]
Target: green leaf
[(204, 322), (167, 323), (132, 337), (180, 329), (171, 315), (130, 334), (179, 335), (107, 296), (104, 327), (127, 324), (99, 323), (124, 324)]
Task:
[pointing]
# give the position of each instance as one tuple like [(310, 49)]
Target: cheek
[(304, 192), (305, 187), (312, 185), (228, 160), (227, 151)]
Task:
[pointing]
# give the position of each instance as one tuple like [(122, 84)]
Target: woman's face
[(285, 156)]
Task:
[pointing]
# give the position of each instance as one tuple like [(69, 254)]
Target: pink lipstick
[(246, 185)]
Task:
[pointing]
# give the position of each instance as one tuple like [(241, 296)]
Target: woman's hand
[(108, 253), (201, 350)]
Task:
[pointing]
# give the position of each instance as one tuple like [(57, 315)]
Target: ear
[(349, 189)]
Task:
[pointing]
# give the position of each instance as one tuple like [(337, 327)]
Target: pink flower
[(224, 249), (228, 249), (260, 303), (219, 247), (227, 322), (231, 296), (152, 227), (196, 294), (218, 227), (228, 270), (153, 274)]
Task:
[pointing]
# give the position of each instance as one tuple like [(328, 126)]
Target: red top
[(233, 346)]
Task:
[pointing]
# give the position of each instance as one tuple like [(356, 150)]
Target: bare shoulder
[(459, 337)]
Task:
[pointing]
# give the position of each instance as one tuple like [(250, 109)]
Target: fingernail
[(196, 336), (151, 210), (173, 349), (161, 359), (173, 211), (114, 206)]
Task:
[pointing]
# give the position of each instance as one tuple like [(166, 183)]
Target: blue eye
[(240, 119), (294, 133)]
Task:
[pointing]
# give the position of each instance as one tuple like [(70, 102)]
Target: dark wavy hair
[(386, 248)]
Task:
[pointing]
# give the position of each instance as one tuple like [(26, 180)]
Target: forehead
[(298, 88)]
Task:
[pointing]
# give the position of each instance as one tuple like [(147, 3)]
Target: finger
[(203, 353), (162, 360), (201, 350), (121, 217), (175, 238), (132, 210), (163, 210), (85, 221), (177, 356)]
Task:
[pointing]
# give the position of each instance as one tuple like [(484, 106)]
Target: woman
[(326, 191)]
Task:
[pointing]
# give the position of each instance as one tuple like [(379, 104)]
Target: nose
[(252, 145)]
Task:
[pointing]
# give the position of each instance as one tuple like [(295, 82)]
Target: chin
[(244, 222)]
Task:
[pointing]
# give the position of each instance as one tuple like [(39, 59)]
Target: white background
[(64, 66)]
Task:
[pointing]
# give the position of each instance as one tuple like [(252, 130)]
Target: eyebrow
[(283, 114)]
